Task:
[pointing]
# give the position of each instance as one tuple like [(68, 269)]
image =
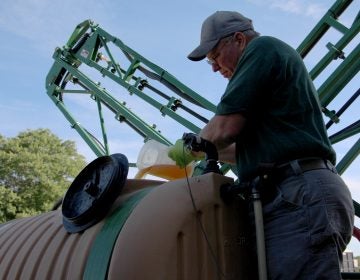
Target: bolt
[(91, 188)]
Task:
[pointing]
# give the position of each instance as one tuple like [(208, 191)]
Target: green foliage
[(36, 168), (8, 202)]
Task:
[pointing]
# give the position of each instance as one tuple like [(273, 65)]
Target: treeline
[(36, 168)]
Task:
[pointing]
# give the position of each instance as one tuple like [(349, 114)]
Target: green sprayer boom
[(92, 54)]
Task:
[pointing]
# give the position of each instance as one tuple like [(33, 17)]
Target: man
[(269, 115)]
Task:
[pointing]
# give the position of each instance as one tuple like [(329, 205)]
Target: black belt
[(271, 176), (288, 169)]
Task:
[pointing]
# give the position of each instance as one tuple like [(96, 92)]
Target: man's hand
[(181, 155)]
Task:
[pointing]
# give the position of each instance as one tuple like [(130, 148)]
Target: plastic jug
[(153, 159)]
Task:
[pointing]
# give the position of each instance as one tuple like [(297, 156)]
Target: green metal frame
[(83, 48), (341, 76), (91, 47)]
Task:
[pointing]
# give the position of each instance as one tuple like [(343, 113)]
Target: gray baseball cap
[(217, 26)]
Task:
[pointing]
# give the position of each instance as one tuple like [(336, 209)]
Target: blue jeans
[(308, 222)]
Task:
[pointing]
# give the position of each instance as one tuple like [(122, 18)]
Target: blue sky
[(163, 32)]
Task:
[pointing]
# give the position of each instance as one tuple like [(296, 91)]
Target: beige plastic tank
[(163, 237)]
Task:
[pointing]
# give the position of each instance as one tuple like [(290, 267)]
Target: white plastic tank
[(153, 160)]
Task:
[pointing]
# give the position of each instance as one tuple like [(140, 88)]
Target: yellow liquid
[(166, 171)]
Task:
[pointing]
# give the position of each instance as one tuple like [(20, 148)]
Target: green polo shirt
[(272, 89)]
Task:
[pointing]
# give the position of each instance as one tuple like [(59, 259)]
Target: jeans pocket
[(291, 194), (292, 200)]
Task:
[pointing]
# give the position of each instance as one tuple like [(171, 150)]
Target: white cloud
[(298, 7), (23, 17), (46, 24), (315, 10), (292, 6)]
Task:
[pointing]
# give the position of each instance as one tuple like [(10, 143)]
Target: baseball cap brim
[(202, 50)]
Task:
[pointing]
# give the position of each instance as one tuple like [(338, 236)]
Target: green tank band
[(101, 251)]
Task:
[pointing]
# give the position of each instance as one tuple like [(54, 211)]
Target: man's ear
[(240, 38)]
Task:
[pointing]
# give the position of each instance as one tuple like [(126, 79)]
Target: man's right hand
[(181, 155)]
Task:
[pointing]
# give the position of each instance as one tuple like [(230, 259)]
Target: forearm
[(214, 133), (222, 130), (227, 155)]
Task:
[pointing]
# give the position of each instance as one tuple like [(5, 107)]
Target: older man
[(269, 115)]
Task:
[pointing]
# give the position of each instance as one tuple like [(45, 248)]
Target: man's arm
[(222, 131), (227, 155)]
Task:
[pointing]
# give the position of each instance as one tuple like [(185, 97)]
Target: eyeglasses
[(223, 42)]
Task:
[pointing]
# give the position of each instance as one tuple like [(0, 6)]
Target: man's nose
[(215, 67)]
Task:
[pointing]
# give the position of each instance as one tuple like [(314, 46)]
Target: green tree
[(36, 168)]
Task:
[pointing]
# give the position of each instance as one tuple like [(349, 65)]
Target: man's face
[(225, 56)]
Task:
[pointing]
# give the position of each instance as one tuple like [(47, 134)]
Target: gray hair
[(251, 33)]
